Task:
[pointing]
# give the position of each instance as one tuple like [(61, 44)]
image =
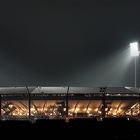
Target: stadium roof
[(80, 90)]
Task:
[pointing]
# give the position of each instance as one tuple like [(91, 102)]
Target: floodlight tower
[(134, 51)]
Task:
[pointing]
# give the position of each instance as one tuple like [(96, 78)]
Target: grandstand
[(33, 103)]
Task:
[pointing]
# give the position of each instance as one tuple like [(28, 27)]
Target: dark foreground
[(91, 128)]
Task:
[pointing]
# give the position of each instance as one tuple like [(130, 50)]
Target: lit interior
[(76, 108)]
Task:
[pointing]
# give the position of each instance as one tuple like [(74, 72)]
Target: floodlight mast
[(134, 53)]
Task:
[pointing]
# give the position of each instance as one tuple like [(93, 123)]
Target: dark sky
[(61, 43)]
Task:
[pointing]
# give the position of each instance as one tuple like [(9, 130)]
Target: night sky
[(68, 43)]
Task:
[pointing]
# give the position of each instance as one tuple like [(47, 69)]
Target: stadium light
[(134, 51)]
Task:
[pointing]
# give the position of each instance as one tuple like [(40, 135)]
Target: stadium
[(52, 103)]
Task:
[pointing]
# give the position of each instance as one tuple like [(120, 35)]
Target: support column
[(139, 109), (67, 103), (29, 107), (103, 90), (29, 103), (135, 71), (104, 105), (0, 106), (67, 106)]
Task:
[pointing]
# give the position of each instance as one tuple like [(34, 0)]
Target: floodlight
[(134, 49)]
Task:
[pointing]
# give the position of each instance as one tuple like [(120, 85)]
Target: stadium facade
[(32, 103)]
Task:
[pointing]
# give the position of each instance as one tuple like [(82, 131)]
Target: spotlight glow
[(134, 49)]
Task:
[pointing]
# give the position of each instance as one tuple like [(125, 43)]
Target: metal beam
[(118, 108), (103, 90), (87, 106), (29, 102), (76, 106), (35, 107), (0, 106), (67, 103), (44, 105), (139, 108)]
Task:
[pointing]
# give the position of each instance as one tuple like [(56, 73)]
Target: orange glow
[(114, 113)]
